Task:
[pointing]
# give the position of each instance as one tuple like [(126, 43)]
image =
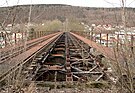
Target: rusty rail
[(108, 52), (64, 57), (21, 59), (10, 52)]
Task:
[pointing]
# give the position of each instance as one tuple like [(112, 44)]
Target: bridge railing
[(16, 49), (9, 39), (109, 39)]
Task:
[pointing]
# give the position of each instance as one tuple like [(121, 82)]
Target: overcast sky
[(88, 3)]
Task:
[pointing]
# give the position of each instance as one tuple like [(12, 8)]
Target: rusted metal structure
[(17, 60), (60, 57), (10, 52)]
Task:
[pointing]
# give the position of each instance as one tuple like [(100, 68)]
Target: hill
[(42, 12)]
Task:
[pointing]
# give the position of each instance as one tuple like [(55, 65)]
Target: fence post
[(100, 37), (15, 38), (107, 40), (132, 45)]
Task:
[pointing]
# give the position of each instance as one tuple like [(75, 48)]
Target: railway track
[(10, 52), (69, 58), (15, 63), (62, 58)]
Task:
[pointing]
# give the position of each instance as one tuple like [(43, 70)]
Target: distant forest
[(42, 12)]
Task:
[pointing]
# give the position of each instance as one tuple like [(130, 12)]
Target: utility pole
[(29, 18), (28, 26), (123, 14)]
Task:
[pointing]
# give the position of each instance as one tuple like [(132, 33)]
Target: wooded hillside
[(39, 13)]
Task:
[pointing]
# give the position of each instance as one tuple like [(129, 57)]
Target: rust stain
[(108, 52)]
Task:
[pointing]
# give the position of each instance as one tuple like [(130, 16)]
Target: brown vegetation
[(61, 12)]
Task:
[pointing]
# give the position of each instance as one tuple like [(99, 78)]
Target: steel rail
[(108, 52), (26, 56), (7, 53)]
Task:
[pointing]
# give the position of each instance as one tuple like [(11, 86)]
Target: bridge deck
[(16, 61), (106, 51)]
